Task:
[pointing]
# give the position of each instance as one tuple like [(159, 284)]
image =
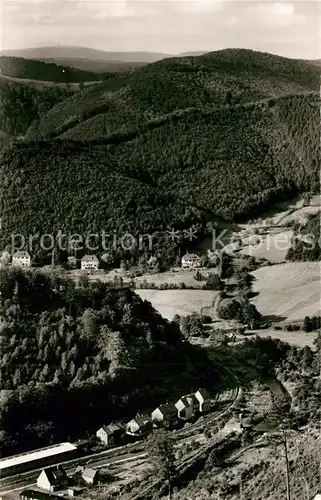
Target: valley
[(160, 252)]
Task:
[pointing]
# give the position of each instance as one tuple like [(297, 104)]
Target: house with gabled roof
[(191, 261), (203, 399), (21, 258), (139, 426), (52, 479), (187, 406), (107, 434), (165, 413), (89, 475), (89, 262)]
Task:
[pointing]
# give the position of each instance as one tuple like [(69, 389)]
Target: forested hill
[(73, 357), (171, 144), (217, 79), (230, 162), (38, 70)]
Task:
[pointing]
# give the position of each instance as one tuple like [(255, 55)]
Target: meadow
[(182, 302), (289, 291)]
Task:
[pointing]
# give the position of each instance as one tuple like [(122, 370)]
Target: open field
[(289, 291), (176, 277), (182, 302), (300, 215), (272, 246), (299, 339)]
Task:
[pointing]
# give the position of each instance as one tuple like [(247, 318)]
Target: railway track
[(124, 453)]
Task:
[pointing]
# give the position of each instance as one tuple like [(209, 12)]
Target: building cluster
[(54, 483), (167, 415), (22, 259)]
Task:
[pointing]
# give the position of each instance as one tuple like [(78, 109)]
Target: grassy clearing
[(168, 277), (289, 291), (299, 339), (182, 302), (300, 215), (272, 246)]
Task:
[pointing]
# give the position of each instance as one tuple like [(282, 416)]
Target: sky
[(289, 28)]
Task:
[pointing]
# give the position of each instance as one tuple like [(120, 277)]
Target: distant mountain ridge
[(59, 52), (96, 66), (208, 81)]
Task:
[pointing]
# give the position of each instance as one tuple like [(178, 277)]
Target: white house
[(139, 425), (203, 399), (187, 406), (106, 433), (191, 261), (21, 259), (52, 479), (166, 413), (89, 475), (89, 262), (74, 491)]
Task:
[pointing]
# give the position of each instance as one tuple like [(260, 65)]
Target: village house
[(203, 399), (187, 406), (52, 479), (165, 413), (139, 426), (21, 259), (74, 491), (89, 475), (108, 434), (89, 262), (191, 261)]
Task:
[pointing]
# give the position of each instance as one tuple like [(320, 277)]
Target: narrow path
[(214, 306)]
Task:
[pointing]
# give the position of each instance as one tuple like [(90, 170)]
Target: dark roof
[(112, 428), (204, 393), (167, 408), (192, 397), (39, 495), (91, 258), (142, 420), (186, 400), (21, 254), (56, 475)]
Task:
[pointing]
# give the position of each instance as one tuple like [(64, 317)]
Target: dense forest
[(175, 144), (306, 244), (39, 70), (22, 105), (180, 171), (217, 79), (77, 357)]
